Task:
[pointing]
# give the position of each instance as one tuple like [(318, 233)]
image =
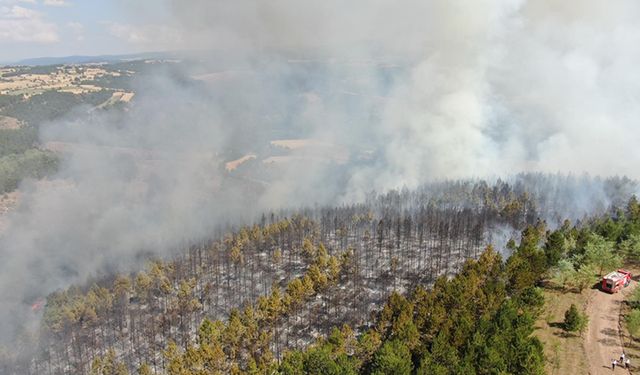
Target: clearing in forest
[(602, 341), (565, 353)]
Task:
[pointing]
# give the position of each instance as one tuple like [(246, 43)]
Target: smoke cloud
[(481, 89), (395, 93)]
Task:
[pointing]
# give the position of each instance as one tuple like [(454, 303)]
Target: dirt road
[(602, 342)]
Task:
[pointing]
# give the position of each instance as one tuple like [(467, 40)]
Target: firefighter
[(613, 364), (627, 364)]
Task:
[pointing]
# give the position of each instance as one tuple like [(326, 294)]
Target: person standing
[(613, 364), (622, 358), (627, 364)]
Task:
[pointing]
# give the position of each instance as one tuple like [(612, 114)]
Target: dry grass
[(126, 97), (565, 354), (118, 96)]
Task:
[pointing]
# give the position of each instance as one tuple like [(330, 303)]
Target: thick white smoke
[(490, 87)]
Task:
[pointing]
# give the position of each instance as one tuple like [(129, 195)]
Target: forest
[(21, 155), (48, 106), (406, 282), (32, 163)]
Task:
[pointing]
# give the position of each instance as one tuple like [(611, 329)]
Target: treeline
[(33, 163), (43, 69), (49, 106), (244, 341), (578, 256), (20, 158), (9, 100), (17, 141), (379, 248), (478, 322), (20, 153), (295, 276)]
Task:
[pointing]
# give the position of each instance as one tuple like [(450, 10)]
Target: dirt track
[(602, 341)]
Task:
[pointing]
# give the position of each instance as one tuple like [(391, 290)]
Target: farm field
[(71, 79)]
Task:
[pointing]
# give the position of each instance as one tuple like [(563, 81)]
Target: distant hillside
[(38, 61)]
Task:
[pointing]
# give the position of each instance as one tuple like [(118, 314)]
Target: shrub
[(574, 321)]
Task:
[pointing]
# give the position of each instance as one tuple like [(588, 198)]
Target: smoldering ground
[(428, 89)]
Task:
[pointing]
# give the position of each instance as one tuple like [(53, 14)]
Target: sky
[(43, 28)]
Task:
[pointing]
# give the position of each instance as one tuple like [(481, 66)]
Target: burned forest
[(289, 279)]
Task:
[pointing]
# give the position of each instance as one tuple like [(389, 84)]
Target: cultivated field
[(75, 79), (232, 165)]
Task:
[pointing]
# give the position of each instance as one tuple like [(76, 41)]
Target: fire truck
[(616, 280)]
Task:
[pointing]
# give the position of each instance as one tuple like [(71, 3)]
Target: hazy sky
[(37, 28)]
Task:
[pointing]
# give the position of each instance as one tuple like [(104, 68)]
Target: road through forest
[(602, 342)]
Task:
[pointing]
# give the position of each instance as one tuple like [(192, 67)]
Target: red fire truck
[(616, 280)]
